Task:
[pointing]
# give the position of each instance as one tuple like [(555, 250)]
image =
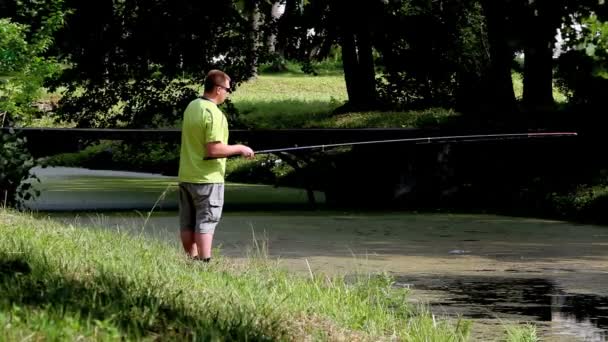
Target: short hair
[(214, 78)]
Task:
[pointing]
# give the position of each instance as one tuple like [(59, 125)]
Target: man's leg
[(187, 221), (204, 242), (208, 213), (188, 243)]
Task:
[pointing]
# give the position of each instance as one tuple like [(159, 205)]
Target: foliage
[(13, 47), (134, 66), (428, 51), (583, 70), (325, 67), (265, 169), (158, 157), (23, 69), (154, 157), (523, 333), (15, 165), (83, 158), (585, 202)]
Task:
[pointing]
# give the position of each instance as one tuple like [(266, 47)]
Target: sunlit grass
[(288, 101), (65, 282), (284, 87), (293, 99), (429, 117), (521, 333), (518, 88), (302, 101)]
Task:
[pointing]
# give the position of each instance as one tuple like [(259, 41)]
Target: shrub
[(15, 165), (23, 70)]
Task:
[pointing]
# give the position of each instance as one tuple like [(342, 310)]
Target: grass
[(297, 100), (518, 88), (61, 282), (521, 333), (287, 100), (293, 99), (290, 100)]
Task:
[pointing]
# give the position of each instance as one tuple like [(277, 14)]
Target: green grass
[(292, 99), (421, 118), (518, 88), (329, 66), (303, 101), (296, 100), (287, 100), (61, 282), (521, 333)]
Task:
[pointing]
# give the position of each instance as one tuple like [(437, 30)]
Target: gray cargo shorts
[(200, 206)]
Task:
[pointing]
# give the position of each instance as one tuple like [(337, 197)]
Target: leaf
[(590, 49)]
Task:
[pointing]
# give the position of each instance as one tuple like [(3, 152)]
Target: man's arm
[(217, 149)]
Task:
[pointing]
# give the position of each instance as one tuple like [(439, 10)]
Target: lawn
[(292, 99)]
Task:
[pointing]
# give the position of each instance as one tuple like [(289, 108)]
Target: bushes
[(15, 165), (154, 157), (22, 71), (163, 158), (583, 70), (587, 202)]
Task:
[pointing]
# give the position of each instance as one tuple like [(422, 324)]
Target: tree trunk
[(542, 21), (538, 77), (350, 65), (255, 20), (357, 57), (367, 71), (277, 10), (499, 94)]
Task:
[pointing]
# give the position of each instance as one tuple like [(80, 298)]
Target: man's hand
[(217, 149), (247, 152)]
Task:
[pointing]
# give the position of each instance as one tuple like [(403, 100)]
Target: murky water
[(493, 269)]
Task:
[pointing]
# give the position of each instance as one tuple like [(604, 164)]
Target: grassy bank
[(63, 282), (303, 101)]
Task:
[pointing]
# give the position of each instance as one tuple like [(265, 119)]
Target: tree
[(23, 69), (308, 29), (583, 68), (531, 27), (497, 82), (355, 31), (431, 54), (541, 19), (134, 63)]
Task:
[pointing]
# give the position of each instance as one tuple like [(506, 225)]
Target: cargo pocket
[(215, 209)]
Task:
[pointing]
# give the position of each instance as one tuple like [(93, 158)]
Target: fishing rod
[(427, 140)]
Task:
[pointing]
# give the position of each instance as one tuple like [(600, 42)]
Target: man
[(202, 166)]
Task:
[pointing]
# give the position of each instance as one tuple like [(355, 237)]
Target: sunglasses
[(228, 90)]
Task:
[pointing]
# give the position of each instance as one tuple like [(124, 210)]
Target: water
[(492, 269), (562, 314), (76, 189)]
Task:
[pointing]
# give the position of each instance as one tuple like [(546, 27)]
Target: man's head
[(217, 86)]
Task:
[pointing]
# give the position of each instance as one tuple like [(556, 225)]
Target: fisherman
[(202, 166)]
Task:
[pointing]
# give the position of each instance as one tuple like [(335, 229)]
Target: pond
[(493, 269)]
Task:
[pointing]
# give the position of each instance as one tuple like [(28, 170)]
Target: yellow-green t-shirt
[(203, 123)]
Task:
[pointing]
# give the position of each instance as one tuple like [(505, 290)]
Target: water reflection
[(582, 315)]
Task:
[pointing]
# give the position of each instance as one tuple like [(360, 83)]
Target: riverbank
[(66, 282)]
